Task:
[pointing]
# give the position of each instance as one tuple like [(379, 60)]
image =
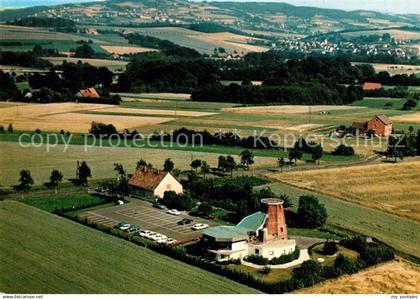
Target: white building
[(262, 234), (150, 183)]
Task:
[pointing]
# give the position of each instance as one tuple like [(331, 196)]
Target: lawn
[(400, 233), (42, 253), (64, 201), (380, 103)]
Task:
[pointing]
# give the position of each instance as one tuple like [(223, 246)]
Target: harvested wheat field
[(69, 117), (407, 118), (171, 113), (288, 109), (397, 277), (111, 64), (392, 188), (121, 50)]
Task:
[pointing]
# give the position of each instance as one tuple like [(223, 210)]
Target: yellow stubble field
[(392, 188)]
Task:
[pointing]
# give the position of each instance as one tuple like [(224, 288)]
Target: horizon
[(384, 6)]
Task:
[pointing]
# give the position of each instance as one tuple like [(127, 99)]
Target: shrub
[(266, 270), (330, 248), (257, 259), (37, 131), (343, 150), (343, 264), (1, 129), (286, 258)]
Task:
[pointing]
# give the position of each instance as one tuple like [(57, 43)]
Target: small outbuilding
[(88, 93), (150, 183), (372, 86)]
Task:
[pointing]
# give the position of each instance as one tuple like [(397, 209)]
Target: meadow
[(400, 233), (392, 188), (41, 254), (396, 277)]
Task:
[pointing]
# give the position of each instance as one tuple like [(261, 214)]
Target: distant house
[(88, 93), (380, 124), (150, 183), (372, 86)]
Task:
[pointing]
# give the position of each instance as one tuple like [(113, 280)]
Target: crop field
[(100, 159), (113, 65), (397, 277), (172, 113), (287, 109), (155, 96), (67, 116), (380, 103), (121, 50), (408, 118), (45, 254), (202, 42), (400, 233), (394, 69), (392, 188), (396, 33)]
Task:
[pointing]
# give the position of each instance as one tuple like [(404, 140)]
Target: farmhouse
[(262, 233), (150, 183), (372, 86), (380, 124), (88, 93)]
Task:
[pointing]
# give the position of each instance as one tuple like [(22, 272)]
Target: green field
[(61, 201), (380, 103), (42, 253), (400, 233)]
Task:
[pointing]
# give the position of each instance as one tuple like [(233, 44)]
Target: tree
[(344, 265), (311, 213), (182, 202), (83, 173), (119, 169), (317, 153), (37, 50), (10, 128), (409, 104), (168, 165), (1, 129), (205, 208), (295, 154), (205, 168), (143, 163), (55, 178), (247, 158), (309, 273), (195, 164), (281, 163), (287, 202), (221, 163), (84, 51), (230, 164), (25, 181)]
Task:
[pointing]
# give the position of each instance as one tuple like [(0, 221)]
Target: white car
[(199, 226), (145, 233), (158, 237), (151, 235), (170, 241), (174, 212), (162, 240)]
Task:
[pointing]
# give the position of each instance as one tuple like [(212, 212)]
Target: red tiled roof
[(384, 119), (372, 86), (147, 178), (89, 93)]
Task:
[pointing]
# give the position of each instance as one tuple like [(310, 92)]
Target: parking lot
[(147, 217)]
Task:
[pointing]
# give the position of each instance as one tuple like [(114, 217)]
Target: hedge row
[(307, 275)]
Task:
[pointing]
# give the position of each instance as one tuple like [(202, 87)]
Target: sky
[(388, 6)]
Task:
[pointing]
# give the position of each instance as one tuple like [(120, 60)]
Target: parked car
[(162, 240), (123, 225), (158, 237), (152, 235), (174, 212), (133, 229), (159, 206), (145, 233), (185, 221), (120, 202), (170, 241), (199, 226)]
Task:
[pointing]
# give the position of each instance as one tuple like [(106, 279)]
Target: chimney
[(275, 222)]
